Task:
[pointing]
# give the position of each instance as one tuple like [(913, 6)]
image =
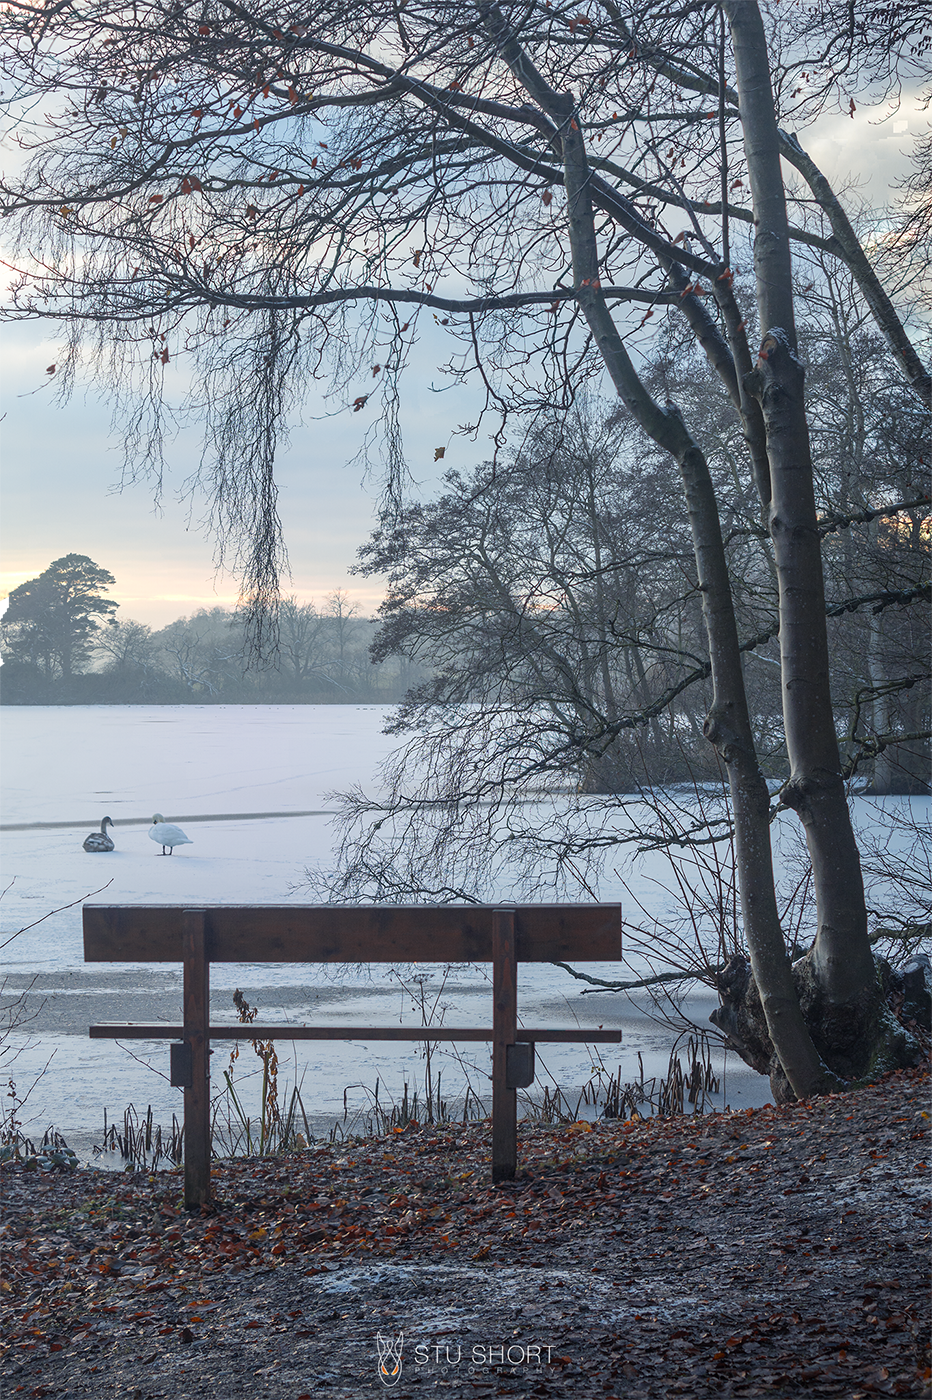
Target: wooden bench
[(223, 933)]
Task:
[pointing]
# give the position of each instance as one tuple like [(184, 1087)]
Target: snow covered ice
[(215, 770)]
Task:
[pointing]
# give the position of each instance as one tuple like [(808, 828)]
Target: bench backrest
[(322, 933)]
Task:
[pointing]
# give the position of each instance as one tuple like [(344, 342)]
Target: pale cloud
[(870, 150), (9, 581)]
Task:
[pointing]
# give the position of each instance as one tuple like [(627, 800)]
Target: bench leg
[(197, 1095), (504, 1031)]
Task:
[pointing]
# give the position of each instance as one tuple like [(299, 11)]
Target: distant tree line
[(62, 644), (550, 595)]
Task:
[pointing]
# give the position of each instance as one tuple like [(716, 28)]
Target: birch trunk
[(840, 961), (728, 725)]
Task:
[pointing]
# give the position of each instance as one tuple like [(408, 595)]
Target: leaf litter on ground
[(776, 1252)]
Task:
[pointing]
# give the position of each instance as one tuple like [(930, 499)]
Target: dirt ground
[(781, 1252)]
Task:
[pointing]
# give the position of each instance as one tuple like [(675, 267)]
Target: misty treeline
[(553, 589), (63, 644), (576, 201)]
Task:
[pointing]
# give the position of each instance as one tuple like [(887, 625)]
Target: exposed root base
[(888, 1030)]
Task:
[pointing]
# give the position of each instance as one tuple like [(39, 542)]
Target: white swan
[(164, 834), (99, 840)]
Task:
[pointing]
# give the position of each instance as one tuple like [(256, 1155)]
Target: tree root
[(857, 1042)]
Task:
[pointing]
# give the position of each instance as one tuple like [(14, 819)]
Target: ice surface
[(73, 765), (77, 764)]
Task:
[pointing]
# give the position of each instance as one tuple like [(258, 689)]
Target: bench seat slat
[(156, 1030)]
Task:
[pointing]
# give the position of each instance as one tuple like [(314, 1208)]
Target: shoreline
[(85, 1077)]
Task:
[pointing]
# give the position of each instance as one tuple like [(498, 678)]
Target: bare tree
[(512, 169), (342, 616), (299, 641), (556, 577), (205, 651), (127, 644)]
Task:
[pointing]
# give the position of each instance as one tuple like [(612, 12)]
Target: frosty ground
[(781, 1252)]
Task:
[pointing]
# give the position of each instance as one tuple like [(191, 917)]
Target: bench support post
[(197, 1093), (504, 1031)]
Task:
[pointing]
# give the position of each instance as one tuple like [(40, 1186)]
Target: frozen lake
[(250, 785)]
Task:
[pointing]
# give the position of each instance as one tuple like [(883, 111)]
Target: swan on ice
[(164, 834), (99, 840)]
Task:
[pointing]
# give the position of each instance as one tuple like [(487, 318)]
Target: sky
[(61, 492), (61, 463)]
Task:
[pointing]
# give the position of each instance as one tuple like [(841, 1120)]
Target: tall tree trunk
[(728, 724), (840, 961)]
